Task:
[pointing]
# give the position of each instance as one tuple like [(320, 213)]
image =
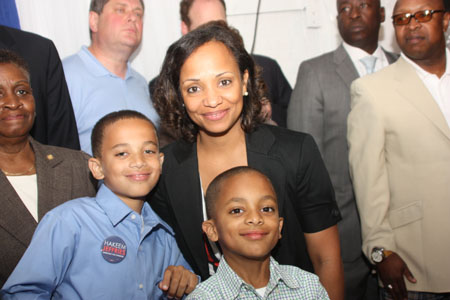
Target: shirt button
[(140, 248), (133, 217), (141, 286)]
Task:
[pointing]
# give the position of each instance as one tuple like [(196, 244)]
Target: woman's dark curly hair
[(167, 97)]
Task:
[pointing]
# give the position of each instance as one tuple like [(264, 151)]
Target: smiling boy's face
[(130, 162), (246, 221)]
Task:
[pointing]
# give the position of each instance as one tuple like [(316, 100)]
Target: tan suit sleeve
[(366, 140)]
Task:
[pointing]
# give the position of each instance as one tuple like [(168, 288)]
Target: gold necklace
[(18, 174)]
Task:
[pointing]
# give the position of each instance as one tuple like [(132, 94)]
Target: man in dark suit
[(320, 104), (55, 121)]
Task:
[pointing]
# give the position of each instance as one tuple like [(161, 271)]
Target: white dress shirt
[(439, 88), (356, 54), (26, 188)]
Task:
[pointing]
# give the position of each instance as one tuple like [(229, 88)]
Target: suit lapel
[(414, 90), (15, 218), (344, 66), (391, 57), (53, 181), (188, 212)]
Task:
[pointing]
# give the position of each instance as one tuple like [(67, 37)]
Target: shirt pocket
[(406, 214)]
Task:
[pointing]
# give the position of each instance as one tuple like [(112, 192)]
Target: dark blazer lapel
[(51, 186), (414, 90), (186, 199), (344, 66), (14, 216), (259, 144)]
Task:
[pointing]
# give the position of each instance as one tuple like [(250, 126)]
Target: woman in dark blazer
[(209, 92), (58, 174)]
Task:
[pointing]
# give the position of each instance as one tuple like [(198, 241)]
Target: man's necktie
[(369, 63)]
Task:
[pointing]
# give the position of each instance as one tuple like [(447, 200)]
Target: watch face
[(377, 256)]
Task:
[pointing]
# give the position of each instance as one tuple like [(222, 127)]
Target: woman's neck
[(217, 143), (217, 154), (13, 146), (16, 155)]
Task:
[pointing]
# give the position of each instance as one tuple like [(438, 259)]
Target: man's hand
[(391, 271), (178, 281)]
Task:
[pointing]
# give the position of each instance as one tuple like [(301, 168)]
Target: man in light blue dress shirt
[(99, 77)]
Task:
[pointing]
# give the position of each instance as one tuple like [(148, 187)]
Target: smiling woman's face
[(212, 88), (16, 102)]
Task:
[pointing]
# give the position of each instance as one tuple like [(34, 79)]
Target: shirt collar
[(117, 210), (357, 53), (235, 283), (97, 67), (424, 74), (153, 220)]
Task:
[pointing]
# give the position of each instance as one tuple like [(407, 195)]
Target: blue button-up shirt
[(95, 248), (95, 92)]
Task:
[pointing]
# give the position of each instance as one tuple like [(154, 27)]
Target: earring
[(245, 93)]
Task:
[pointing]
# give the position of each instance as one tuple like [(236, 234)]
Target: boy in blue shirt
[(112, 246), (242, 208)]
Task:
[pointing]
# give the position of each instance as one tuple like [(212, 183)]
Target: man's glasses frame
[(420, 16)]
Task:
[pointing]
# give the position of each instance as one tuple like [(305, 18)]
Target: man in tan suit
[(399, 153)]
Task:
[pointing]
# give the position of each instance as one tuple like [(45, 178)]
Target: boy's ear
[(210, 230), (96, 168), (280, 227)]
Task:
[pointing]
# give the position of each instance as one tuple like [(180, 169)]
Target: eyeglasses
[(420, 16)]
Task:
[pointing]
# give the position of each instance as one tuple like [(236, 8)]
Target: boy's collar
[(116, 210), (235, 283)]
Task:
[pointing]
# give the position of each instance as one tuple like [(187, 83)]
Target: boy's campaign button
[(114, 249)]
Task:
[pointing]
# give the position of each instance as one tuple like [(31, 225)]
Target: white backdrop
[(289, 31)]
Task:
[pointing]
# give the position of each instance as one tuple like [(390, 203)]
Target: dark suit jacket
[(62, 174), (278, 88), (292, 162), (55, 121)]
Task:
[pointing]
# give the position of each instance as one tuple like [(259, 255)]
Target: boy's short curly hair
[(167, 97), (99, 129), (216, 187)]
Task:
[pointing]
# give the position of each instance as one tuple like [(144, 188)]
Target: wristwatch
[(379, 254)]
